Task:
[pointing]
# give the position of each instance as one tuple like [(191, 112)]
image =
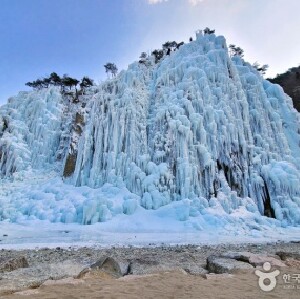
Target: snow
[(198, 143), (50, 213), (144, 228)]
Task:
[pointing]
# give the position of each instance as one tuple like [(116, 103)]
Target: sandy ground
[(162, 285), (172, 284)]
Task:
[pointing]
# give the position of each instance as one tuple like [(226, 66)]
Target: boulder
[(194, 269), (148, 266), (33, 277), (259, 260), (288, 255), (220, 265), (82, 273), (11, 264), (112, 266), (256, 260), (142, 267)]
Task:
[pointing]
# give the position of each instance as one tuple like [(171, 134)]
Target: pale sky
[(77, 37)]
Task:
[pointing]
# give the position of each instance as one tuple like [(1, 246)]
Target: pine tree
[(111, 68)]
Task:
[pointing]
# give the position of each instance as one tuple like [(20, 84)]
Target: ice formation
[(198, 131)]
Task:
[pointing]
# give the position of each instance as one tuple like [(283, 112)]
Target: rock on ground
[(256, 260), (8, 264), (33, 277), (59, 263), (288, 255), (112, 266), (220, 265)]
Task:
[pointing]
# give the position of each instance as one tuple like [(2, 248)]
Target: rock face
[(11, 264), (71, 157), (198, 126), (290, 82)]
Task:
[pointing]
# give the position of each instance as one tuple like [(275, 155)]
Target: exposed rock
[(219, 265), (148, 266), (73, 262), (70, 164), (255, 259), (194, 269), (112, 266), (82, 273), (79, 120), (142, 267), (77, 128), (259, 260), (21, 279), (11, 264), (290, 81), (288, 255)]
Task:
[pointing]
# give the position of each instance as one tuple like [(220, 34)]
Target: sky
[(77, 37)]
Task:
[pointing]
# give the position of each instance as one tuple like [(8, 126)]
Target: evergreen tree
[(69, 82), (260, 68), (158, 54), (86, 82), (111, 68), (46, 82), (208, 31), (179, 45), (143, 55), (236, 51), (55, 79)]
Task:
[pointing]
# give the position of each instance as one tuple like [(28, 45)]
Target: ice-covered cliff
[(199, 131)]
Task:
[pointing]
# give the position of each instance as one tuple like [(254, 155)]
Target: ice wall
[(30, 130), (198, 126)]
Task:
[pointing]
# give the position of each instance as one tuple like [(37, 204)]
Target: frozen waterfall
[(199, 127)]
